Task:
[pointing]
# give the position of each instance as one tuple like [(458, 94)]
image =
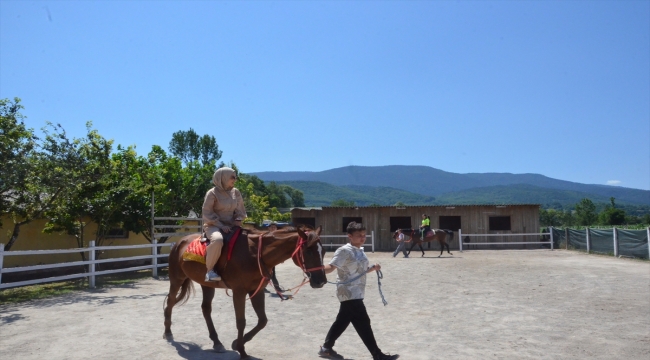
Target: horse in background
[(443, 237), (254, 254)]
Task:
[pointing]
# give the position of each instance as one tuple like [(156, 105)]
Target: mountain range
[(421, 185)]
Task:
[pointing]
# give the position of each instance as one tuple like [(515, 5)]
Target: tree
[(95, 192), (342, 203), (550, 217), (189, 146), (17, 146), (586, 212), (611, 215)]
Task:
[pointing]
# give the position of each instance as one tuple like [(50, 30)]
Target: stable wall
[(475, 219)]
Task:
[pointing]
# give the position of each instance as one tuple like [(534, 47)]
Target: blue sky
[(559, 88)]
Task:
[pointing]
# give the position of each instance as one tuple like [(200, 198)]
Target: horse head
[(310, 256)]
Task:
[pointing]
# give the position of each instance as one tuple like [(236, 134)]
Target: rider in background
[(223, 208), (425, 227)]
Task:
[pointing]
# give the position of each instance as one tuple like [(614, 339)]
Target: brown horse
[(443, 237), (243, 275)]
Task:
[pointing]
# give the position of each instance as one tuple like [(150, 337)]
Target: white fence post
[(91, 277), (373, 240), (154, 259), (550, 230), (616, 242), (460, 240), (588, 240), (2, 250), (648, 232)]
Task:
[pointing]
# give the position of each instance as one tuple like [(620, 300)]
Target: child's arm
[(374, 268), (329, 268)]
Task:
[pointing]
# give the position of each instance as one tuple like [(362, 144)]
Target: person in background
[(425, 227), (400, 243)]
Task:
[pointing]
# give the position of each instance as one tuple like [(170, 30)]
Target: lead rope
[(380, 276)]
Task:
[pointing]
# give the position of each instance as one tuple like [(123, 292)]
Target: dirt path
[(474, 305)]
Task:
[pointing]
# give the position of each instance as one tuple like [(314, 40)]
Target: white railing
[(461, 235), (91, 274), (371, 236)]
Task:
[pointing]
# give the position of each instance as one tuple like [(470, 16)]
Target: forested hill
[(429, 181)]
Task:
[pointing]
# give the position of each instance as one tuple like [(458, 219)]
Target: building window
[(499, 223), (399, 222), (117, 233), (449, 222), (347, 220), (306, 221)]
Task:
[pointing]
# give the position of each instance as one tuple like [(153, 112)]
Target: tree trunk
[(14, 234)]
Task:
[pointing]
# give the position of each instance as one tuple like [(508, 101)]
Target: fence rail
[(92, 273), (460, 239), (371, 236)]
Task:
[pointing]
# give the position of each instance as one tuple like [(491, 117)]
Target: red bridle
[(298, 253)]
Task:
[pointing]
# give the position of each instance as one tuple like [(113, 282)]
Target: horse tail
[(450, 236), (187, 288)]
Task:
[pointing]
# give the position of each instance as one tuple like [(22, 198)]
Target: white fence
[(91, 274), (460, 239), (371, 236)]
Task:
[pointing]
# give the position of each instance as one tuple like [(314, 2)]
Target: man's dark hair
[(355, 226)]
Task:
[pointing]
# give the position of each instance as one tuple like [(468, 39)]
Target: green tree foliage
[(189, 146), (95, 189), (342, 202), (611, 215), (17, 145), (585, 213)]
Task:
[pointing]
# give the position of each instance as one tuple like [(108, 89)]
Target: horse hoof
[(219, 348), (168, 337)]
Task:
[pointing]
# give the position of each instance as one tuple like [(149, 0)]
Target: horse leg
[(206, 308), (446, 244), (175, 284), (411, 248), (239, 301), (421, 249), (170, 300), (258, 306), (442, 248)]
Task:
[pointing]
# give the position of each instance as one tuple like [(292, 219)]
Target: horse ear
[(319, 229), (302, 233)]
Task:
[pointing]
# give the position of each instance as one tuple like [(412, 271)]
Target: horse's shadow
[(193, 351)]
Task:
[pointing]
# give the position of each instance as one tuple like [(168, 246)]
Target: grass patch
[(49, 290)]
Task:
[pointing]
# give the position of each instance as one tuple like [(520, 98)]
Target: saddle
[(197, 249)]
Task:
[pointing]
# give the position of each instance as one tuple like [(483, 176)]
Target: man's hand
[(225, 229)]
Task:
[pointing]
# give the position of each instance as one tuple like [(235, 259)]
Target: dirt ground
[(528, 304)]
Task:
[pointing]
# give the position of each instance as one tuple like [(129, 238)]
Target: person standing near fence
[(351, 264), (400, 243)]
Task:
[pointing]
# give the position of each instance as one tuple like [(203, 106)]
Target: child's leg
[(340, 324), (361, 323)]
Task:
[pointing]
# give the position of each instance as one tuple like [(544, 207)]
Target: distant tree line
[(585, 213), (70, 181)]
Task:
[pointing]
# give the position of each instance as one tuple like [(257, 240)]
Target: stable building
[(384, 220)]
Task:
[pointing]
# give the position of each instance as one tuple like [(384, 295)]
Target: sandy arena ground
[(473, 305)]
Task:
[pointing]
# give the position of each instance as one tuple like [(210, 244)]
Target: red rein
[(299, 257)]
